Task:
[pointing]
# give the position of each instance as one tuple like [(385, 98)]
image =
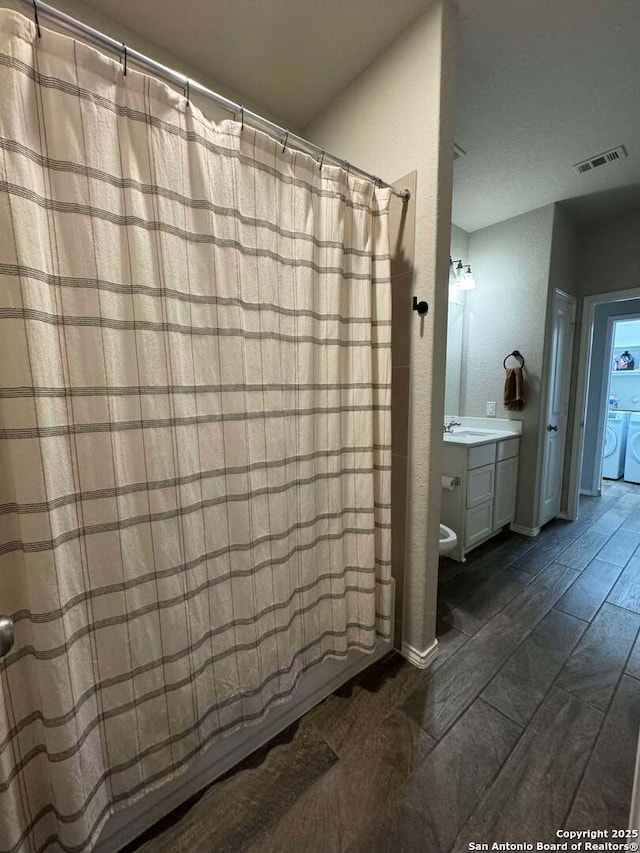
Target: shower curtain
[(195, 377)]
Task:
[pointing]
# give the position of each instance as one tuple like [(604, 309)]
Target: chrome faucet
[(449, 427)]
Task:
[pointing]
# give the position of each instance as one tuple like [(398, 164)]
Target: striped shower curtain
[(195, 455)]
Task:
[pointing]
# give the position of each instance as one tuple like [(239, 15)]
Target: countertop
[(471, 437)]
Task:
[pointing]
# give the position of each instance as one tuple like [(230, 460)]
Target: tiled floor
[(526, 723)]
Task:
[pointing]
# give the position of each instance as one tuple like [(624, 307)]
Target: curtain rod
[(129, 54)]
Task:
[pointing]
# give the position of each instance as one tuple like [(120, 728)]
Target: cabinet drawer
[(482, 455), (478, 524), (507, 449), (480, 484)]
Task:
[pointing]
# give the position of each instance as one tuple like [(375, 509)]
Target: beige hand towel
[(514, 389)]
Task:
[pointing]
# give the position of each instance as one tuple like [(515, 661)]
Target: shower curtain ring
[(321, 159), (124, 59), (284, 144), (37, 22), (242, 118), (187, 90)]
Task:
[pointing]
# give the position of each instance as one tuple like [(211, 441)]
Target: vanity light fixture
[(462, 276), (467, 282)]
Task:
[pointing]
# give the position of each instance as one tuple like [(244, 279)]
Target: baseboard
[(525, 531), (420, 659)]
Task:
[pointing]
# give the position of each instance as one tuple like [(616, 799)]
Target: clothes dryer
[(615, 445), (632, 456)]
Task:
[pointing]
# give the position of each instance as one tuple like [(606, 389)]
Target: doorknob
[(552, 428), (6, 635)]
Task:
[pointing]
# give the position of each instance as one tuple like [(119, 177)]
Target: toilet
[(447, 539)]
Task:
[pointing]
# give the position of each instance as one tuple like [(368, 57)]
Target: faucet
[(449, 427)]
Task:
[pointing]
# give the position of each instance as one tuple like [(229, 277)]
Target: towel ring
[(515, 354)]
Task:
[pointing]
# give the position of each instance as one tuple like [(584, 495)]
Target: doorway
[(618, 447), (596, 383)]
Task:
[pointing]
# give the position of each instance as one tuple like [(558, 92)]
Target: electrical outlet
[(491, 409)]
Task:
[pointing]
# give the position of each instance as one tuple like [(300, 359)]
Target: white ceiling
[(542, 84)]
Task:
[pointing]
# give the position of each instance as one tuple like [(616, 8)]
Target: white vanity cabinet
[(483, 502)]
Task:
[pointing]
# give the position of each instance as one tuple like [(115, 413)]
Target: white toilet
[(448, 539)]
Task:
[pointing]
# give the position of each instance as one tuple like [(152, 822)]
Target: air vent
[(601, 160), (458, 152)]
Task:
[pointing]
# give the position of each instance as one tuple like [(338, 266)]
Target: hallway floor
[(526, 723)]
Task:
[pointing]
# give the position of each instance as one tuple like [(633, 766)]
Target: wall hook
[(420, 307)]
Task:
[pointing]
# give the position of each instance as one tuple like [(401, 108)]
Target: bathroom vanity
[(480, 476)]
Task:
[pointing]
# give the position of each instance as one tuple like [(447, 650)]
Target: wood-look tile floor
[(526, 723)]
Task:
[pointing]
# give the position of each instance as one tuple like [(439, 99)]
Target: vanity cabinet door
[(478, 524), (504, 502), (480, 485)]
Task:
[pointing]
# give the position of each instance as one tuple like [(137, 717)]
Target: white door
[(554, 424)]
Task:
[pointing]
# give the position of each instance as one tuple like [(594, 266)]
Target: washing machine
[(615, 445), (632, 457)]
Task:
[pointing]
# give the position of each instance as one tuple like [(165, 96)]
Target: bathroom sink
[(475, 435), (447, 539)]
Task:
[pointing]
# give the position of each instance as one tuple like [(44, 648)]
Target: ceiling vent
[(458, 152), (592, 163)]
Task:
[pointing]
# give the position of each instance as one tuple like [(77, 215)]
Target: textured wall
[(507, 311), (610, 254), (396, 117)]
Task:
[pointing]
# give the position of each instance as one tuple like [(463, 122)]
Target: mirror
[(454, 359)]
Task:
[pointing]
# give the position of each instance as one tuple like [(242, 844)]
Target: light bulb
[(467, 282)]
